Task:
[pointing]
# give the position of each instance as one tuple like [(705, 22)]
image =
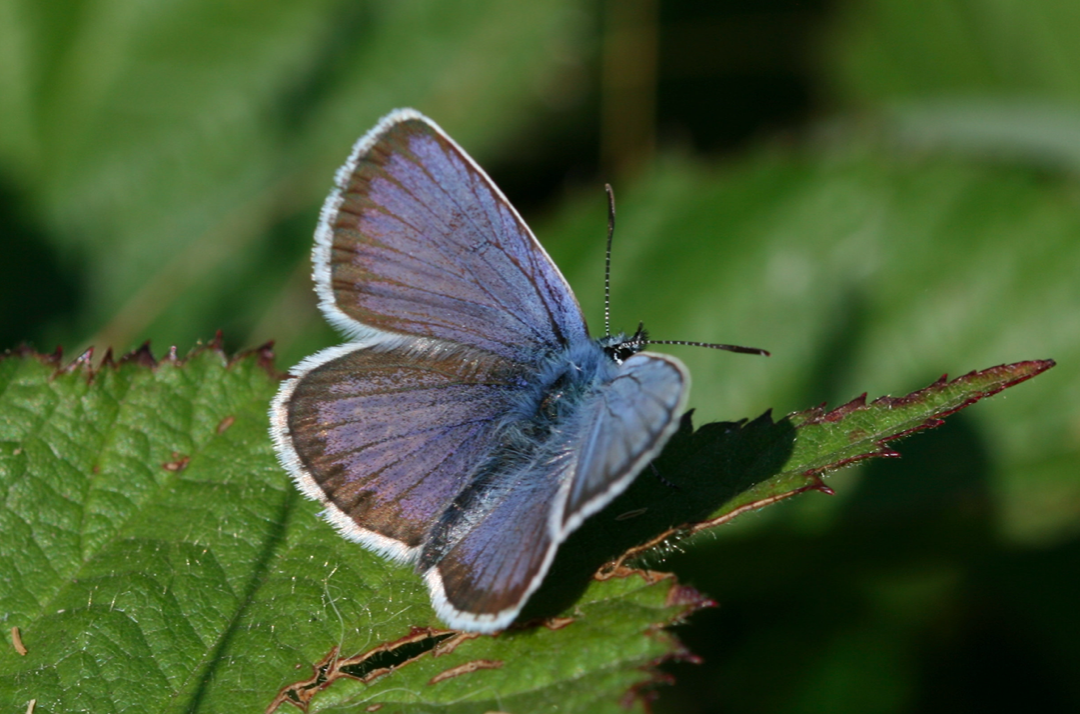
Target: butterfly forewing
[(418, 240)]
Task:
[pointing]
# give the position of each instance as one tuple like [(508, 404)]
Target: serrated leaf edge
[(819, 415)]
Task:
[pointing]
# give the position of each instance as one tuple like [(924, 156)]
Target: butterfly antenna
[(607, 258), (712, 346), (641, 338)]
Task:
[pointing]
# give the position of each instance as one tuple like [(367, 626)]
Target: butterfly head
[(620, 347)]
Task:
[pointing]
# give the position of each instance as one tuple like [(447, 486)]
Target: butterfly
[(471, 423)]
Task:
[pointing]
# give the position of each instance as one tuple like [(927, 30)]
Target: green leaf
[(158, 559), (990, 79), (907, 49), (711, 475), (165, 148)]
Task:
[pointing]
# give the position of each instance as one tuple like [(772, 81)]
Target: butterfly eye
[(622, 351), (620, 348)]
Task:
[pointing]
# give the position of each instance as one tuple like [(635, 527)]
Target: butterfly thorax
[(565, 379), (544, 412), (547, 402)]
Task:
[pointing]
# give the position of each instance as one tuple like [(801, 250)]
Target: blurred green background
[(878, 191)]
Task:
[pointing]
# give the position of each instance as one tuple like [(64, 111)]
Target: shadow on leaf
[(701, 475)]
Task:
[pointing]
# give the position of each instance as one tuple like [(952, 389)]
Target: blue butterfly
[(472, 423)]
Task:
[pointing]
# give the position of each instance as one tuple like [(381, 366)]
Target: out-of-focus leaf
[(1003, 129), (860, 270), (993, 79), (160, 144), (887, 50)]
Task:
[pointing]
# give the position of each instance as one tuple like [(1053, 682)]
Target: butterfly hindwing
[(481, 582), (636, 414), (481, 579)]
